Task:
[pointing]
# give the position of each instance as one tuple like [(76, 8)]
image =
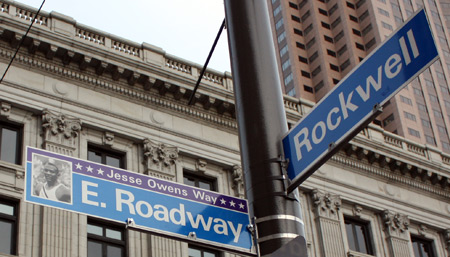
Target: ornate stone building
[(85, 93)]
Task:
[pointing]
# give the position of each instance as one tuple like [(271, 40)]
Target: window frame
[(14, 219), (104, 240), (203, 250), (198, 178), (368, 237), (429, 243), (107, 152), (19, 140)]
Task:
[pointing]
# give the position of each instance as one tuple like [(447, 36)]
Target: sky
[(183, 28)]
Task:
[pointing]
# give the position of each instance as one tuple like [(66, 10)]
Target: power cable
[(21, 42), (207, 62)]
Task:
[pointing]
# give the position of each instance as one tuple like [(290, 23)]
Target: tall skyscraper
[(320, 41)]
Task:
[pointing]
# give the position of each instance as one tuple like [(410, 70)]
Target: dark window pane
[(114, 251), (209, 255), (205, 185), (350, 238), (422, 248), (194, 253), (361, 239), (95, 157), (189, 181), (113, 161), (6, 209), (9, 146), (6, 230), (115, 234), (96, 230), (94, 249)]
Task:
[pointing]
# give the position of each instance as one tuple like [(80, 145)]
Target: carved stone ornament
[(5, 110), (422, 230), (357, 210), (60, 131), (238, 180), (160, 153), (108, 138), (326, 204), (446, 234), (200, 165), (395, 224)]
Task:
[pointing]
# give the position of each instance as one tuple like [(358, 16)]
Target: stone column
[(326, 208), (396, 231), (60, 228)]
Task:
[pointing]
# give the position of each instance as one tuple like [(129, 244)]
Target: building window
[(286, 65), (342, 50), (281, 37), (414, 132), (353, 18), (367, 29), (426, 123), (11, 143), (313, 56), (288, 79), (358, 236), (8, 227), (350, 5), (326, 25), (283, 51), (298, 32), (107, 157), (430, 140), (199, 181), (308, 29), (292, 5), (302, 59), (300, 45), (306, 15), (336, 22), (310, 43), (319, 86), (422, 248), (336, 81), (383, 12), (316, 71), (363, 16), (328, 39), (308, 89), (339, 36), (195, 251), (387, 26), (388, 120), (295, 18), (277, 11), (345, 65), (331, 53), (306, 74), (410, 116), (323, 12), (279, 24), (442, 129), (406, 100), (370, 43), (105, 240), (359, 46), (421, 107), (356, 32), (291, 92), (333, 9)]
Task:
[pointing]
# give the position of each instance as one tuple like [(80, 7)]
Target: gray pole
[(262, 123)]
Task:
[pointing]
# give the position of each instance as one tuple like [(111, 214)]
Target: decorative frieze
[(160, 159), (60, 132)]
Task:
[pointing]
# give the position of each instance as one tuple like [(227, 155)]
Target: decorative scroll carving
[(238, 180), (159, 159), (395, 224), (5, 110), (326, 204), (446, 234), (60, 132)]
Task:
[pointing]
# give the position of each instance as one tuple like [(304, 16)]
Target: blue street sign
[(356, 100), (156, 205)]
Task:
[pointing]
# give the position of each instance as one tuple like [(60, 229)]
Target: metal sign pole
[(262, 123)]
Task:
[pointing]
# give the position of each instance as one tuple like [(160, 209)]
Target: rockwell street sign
[(356, 100), (144, 202)]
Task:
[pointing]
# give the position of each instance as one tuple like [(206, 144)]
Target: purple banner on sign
[(142, 181)]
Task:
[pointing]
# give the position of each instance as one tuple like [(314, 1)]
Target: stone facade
[(71, 87)]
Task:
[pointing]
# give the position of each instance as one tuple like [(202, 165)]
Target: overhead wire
[(21, 42), (206, 63)]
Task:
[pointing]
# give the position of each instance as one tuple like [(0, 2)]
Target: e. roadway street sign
[(356, 100), (156, 205)]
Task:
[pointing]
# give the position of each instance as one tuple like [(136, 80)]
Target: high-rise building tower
[(320, 41)]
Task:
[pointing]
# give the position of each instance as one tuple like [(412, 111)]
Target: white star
[(222, 201), (241, 206), (89, 168), (232, 204), (78, 166), (100, 171)]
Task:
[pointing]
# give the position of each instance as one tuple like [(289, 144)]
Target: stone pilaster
[(60, 133), (326, 208), (160, 160), (397, 234), (446, 234), (60, 228)]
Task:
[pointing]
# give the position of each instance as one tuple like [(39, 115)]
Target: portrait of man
[(51, 179)]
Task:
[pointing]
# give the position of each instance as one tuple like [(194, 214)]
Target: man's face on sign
[(51, 172)]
